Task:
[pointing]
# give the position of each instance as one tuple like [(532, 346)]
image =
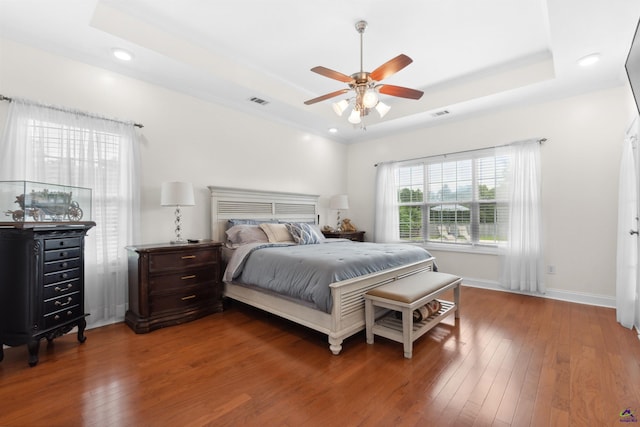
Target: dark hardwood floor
[(511, 360)]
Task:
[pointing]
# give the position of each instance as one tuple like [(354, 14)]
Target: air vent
[(258, 101), (440, 113)]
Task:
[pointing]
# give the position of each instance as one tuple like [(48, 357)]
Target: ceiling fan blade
[(323, 71), (390, 67), (327, 96), (402, 92)]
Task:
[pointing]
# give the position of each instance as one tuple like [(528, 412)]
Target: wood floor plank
[(510, 360)]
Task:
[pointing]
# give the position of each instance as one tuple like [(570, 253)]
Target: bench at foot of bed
[(405, 296)]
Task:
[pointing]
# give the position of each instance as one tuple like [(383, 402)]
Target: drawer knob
[(188, 257), (64, 264), (62, 254), (191, 276), (58, 288), (188, 297)]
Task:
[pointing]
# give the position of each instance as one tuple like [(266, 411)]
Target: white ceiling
[(468, 55)]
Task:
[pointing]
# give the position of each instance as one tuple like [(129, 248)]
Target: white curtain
[(386, 221), (522, 261), (61, 146), (627, 285)]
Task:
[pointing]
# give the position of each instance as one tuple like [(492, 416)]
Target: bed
[(345, 316)]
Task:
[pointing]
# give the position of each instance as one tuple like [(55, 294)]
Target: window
[(77, 150), (456, 199)]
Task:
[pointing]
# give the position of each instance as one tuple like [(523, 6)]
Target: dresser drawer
[(181, 301), (58, 289), (181, 260), (69, 242), (64, 264), (62, 302), (61, 276), (54, 319), (61, 254), (175, 281)]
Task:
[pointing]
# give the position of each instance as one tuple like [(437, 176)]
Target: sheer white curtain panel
[(522, 260), (386, 220), (627, 284), (63, 146)]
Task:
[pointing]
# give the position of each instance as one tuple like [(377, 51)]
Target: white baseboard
[(557, 294)]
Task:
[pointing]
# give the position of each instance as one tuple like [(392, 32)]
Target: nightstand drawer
[(190, 277), (61, 276), (160, 303), (57, 318), (181, 260), (64, 264), (58, 289), (69, 242), (62, 302), (62, 254)]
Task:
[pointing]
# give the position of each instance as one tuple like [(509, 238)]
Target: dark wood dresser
[(173, 283), (356, 236), (41, 283)]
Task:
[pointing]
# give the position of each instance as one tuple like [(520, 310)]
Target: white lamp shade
[(354, 117), (177, 194), (339, 202), (339, 107), (382, 109), (370, 98)]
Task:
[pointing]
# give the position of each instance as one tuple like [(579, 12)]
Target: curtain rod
[(5, 98), (540, 141)]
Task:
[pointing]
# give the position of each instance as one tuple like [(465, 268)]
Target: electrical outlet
[(551, 269)]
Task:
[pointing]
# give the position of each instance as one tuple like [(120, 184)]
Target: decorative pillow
[(303, 233), (233, 222), (243, 234), (277, 233)]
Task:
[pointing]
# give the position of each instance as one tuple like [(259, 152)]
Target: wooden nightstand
[(356, 236), (172, 284)]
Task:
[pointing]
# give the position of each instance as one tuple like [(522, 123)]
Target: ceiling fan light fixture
[(370, 98), (382, 109), (354, 117), (340, 106)]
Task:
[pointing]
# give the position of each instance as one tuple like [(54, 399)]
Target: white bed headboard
[(237, 203)]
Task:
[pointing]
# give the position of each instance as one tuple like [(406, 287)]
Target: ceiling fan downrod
[(360, 27)]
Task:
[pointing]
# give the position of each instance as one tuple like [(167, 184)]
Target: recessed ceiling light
[(588, 60), (122, 54), (333, 130)]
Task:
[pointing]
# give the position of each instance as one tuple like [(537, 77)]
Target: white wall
[(580, 163), (184, 138), (192, 140)]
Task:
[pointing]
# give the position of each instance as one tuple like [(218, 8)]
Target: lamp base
[(179, 242)]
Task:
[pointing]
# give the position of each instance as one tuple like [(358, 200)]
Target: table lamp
[(177, 194)]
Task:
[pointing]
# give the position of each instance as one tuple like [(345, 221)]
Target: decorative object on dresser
[(41, 282), (356, 236), (339, 202), (177, 194), (172, 284)]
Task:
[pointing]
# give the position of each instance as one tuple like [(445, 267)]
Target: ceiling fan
[(366, 86)]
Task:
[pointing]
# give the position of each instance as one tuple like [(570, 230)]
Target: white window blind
[(454, 199)]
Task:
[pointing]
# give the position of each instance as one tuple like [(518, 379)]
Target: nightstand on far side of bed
[(356, 236), (170, 284)]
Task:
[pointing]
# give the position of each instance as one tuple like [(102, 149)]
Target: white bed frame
[(347, 315)]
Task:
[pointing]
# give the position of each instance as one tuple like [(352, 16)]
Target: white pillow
[(277, 233)]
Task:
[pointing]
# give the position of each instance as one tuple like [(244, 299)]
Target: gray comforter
[(304, 272)]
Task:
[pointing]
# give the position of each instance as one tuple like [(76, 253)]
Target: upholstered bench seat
[(405, 296)]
